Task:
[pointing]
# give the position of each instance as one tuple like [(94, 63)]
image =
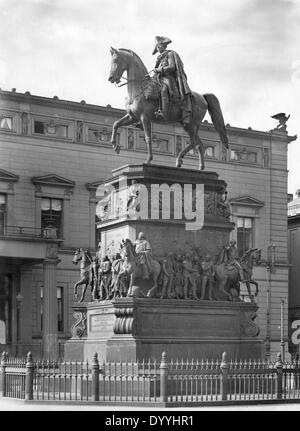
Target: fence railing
[(168, 382)]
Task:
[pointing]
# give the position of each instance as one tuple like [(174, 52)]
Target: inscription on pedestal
[(100, 322)]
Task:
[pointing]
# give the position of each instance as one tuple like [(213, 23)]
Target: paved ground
[(16, 405)]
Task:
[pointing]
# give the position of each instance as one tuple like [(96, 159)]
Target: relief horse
[(143, 101), (228, 277), (131, 267), (85, 259)]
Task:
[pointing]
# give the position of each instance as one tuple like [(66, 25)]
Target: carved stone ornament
[(249, 328), (79, 328), (124, 321)]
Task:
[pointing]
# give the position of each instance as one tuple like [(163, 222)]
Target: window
[(39, 127), (2, 213), (244, 234), (243, 156), (6, 123), (60, 308), (209, 151), (51, 217)]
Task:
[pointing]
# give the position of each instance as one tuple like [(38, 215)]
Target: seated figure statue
[(144, 252), (172, 78)]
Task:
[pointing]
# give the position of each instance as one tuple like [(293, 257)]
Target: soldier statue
[(207, 276), (144, 252), (168, 274), (170, 74), (105, 279), (189, 277)]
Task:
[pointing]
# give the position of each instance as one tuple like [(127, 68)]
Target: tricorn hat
[(158, 40)]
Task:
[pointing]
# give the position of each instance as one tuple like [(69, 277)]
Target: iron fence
[(165, 382)]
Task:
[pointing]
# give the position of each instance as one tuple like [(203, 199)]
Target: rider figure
[(173, 80), (233, 258), (144, 252)]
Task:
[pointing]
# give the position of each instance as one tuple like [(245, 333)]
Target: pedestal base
[(131, 329)]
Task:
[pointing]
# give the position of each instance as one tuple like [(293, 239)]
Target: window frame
[(60, 233)]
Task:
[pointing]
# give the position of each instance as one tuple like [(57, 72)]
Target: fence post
[(224, 377), (29, 377), (3, 375), (164, 368), (279, 367), (95, 378)]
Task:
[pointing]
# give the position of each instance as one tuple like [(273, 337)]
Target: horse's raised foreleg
[(146, 122), (124, 121)]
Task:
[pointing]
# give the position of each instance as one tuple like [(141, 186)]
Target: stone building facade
[(53, 155)]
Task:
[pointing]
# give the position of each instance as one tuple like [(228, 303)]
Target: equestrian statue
[(165, 97)]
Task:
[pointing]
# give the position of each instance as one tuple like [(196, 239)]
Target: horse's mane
[(134, 55)]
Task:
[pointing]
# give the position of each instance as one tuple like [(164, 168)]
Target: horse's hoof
[(178, 163)]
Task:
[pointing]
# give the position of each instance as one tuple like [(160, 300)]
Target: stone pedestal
[(167, 196), (134, 328), (130, 329)]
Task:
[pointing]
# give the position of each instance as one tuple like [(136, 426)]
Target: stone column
[(50, 332)]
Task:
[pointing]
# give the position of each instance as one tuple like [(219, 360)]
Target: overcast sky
[(246, 52)]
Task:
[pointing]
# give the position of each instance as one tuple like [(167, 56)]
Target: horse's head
[(253, 255), (257, 256), (118, 65), (77, 256), (127, 248)]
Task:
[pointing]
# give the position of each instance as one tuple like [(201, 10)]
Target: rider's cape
[(183, 86)]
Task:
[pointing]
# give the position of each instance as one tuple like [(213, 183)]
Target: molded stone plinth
[(137, 328)]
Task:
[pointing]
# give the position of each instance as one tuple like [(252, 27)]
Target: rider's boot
[(162, 114)]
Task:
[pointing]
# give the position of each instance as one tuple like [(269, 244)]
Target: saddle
[(153, 88)]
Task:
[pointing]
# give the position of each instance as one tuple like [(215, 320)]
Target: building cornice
[(82, 106)]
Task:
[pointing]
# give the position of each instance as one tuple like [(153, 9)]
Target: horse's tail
[(215, 112)]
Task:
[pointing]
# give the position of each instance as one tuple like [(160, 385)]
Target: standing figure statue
[(144, 252), (105, 279), (232, 258), (178, 276), (189, 277), (168, 274), (207, 276), (173, 81)]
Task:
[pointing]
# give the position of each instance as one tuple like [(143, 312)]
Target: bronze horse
[(143, 101), (85, 259), (131, 267), (228, 278)]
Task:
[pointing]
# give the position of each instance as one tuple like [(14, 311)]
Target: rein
[(142, 92)]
